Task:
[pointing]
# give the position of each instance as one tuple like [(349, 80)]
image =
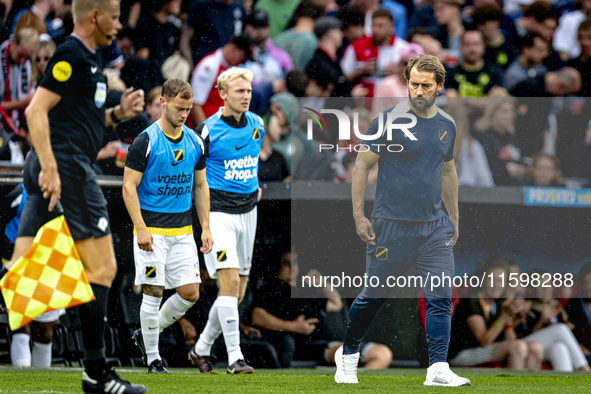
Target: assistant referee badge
[(62, 71), (222, 256), (443, 135), (256, 135), (381, 253)]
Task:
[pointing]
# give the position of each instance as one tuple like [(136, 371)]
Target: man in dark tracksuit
[(410, 226)]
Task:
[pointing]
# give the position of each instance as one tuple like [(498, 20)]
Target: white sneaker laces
[(350, 365)]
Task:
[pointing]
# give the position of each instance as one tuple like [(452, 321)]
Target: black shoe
[(240, 367), (138, 338), (157, 367), (202, 362), (111, 383)]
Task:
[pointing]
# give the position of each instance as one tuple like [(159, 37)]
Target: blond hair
[(426, 63), (486, 122), (49, 47), (81, 8), (27, 37), (232, 74)]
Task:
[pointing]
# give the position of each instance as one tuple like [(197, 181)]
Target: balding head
[(563, 82)]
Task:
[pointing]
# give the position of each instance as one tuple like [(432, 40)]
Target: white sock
[(150, 326), (210, 333), (20, 352), (41, 354), (173, 309), (228, 315)]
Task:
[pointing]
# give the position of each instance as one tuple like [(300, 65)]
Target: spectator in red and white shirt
[(15, 78), (370, 59), (206, 99)]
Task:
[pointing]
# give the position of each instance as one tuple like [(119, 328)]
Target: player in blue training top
[(233, 136), (164, 167), (410, 226)]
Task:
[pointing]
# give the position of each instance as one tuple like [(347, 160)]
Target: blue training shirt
[(409, 181), (232, 160), (167, 183), (11, 229), (168, 166)]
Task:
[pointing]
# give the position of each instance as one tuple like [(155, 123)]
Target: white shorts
[(173, 263), (233, 242), (50, 316)]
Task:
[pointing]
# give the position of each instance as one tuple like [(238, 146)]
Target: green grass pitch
[(68, 380)]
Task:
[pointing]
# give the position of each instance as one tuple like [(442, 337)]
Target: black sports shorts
[(82, 199)]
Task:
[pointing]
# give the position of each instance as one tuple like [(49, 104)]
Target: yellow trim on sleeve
[(168, 232)]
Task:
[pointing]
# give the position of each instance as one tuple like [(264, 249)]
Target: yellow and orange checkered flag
[(48, 276)]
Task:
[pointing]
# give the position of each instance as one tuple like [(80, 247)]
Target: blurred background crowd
[(518, 85)]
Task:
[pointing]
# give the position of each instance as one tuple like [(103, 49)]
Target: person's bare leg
[(514, 352), (377, 357), (21, 245), (242, 290), (535, 356)]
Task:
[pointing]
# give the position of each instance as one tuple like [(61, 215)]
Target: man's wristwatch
[(114, 117)]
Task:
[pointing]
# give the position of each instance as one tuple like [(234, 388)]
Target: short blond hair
[(81, 8), (27, 37), (232, 74), (426, 63)]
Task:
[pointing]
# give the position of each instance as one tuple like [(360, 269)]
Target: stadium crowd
[(518, 81)]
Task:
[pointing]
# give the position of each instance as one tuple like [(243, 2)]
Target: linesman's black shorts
[(82, 199)]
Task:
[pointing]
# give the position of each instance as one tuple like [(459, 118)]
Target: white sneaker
[(346, 367), (439, 374)]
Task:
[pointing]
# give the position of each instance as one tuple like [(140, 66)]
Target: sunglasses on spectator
[(42, 58)]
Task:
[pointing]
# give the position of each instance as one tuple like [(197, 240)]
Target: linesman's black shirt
[(77, 122)]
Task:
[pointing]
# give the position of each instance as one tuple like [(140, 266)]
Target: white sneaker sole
[(430, 383)]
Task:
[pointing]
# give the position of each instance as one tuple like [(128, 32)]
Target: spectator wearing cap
[(397, 10), (353, 18), (499, 51), (448, 17), (540, 18), (394, 89), (300, 41), (158, 35), (330, 38), (280, 13), (210, 25), (206, 99), (565, 40), (534, 49), (269, 63), (474, 77), (371, 59)]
